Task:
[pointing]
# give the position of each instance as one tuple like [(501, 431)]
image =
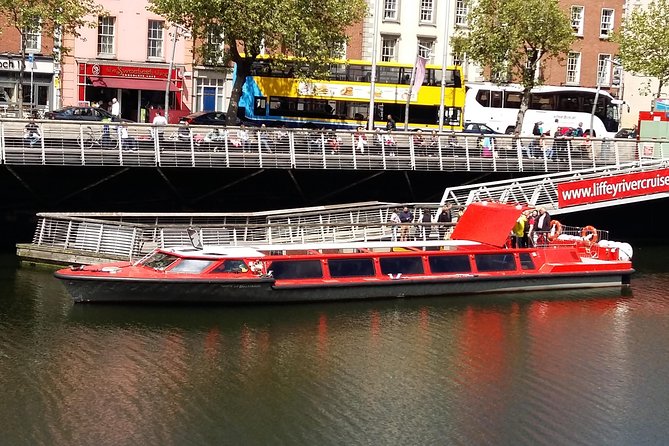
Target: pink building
[(127, 56)]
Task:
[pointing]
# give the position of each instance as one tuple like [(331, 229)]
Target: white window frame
[(391, 10), (577, 19), (155, 36), (426, 48), (573, 76), (426, 11), (606, 23), (461, 12), (104, 27), (604, 70), (33, 35), (389, 52), (216, 41)]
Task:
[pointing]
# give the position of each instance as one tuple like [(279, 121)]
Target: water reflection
[(527, 368)]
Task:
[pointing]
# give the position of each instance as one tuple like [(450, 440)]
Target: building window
[(574, 68), (33, 37), (426, 11), (106, 36), (577, 19), (388, 48), (155, 41), (461, 11), (214, 48), (426, 49), (604, 70), (391, 10), (606, 26)]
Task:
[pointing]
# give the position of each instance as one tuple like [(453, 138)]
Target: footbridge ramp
[(574, 191)]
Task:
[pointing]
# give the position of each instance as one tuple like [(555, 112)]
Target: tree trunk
[(242, 70), (524, 105), (659, 88)]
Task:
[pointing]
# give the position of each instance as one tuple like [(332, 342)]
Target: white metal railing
[(542, 190), (63, 143)]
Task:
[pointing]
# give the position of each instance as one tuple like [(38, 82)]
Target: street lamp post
[(177, 28), (375, 44), (442, 108), (608, 62)]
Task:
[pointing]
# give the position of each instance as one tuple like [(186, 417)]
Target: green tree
[(313, 31), (513, 39), (50, 18), (644, 41)]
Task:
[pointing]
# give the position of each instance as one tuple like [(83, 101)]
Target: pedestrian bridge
[(90, 144)]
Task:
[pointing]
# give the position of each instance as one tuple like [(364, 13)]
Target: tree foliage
[(50, 17), (644, 41), (513, 39), (314, 31)]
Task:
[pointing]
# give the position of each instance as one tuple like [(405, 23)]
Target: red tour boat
[(477, 259)]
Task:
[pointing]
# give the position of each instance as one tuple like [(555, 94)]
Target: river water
[(581, 368)]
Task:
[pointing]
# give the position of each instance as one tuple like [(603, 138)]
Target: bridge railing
[(63, 143)]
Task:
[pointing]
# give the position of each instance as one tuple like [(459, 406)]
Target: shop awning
[(131, 84)]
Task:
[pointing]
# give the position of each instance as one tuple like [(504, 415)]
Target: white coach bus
[(498, 105)]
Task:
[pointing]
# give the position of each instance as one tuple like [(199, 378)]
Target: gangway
[(542, 190)]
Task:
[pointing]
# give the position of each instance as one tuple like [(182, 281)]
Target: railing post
[(325, 163), (2, 142), (99, 243), (467, 159), (156, 145), (441, 154), (412, 153), (569, 149), (227, 151), (519, 153), (291, 149), (494, 158), (355, 158), (67, 235), (192, 148)]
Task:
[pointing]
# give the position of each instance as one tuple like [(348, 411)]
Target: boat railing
[(63, 143), (570, 235)]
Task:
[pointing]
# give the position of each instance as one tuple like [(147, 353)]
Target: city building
[(406, 31), (40, 78), (128, 56)]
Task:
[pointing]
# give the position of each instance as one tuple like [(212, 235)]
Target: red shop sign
[(129, 71)]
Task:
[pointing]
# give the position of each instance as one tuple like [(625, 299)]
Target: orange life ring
[(555, 230), (589, 235)]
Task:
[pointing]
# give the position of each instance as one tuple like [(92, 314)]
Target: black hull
[(88, 289)]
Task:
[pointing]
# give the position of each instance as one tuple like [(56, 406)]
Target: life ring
[(555, 230), (589, 235)]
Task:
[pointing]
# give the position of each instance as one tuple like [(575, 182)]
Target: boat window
[(296, 269), (351, 267), (495, 262), (159, 260), (526, 261), (231, 266), (404, 265), (450, 264), (191, 266)]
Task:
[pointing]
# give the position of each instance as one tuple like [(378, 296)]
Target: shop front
[(138, 88), (38, 83)]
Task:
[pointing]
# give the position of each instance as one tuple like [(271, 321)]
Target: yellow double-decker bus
[(341, 99)]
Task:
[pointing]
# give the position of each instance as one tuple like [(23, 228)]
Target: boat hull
[(119, 289)]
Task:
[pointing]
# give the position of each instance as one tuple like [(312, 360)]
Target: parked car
[(480, 128), (82, 114), (626, 133), (204, 118)]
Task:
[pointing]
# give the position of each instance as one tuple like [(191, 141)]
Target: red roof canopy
[(487, 222)]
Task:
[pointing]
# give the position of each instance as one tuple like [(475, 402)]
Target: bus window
[(512, 99), (453, 78), (405, 76), (542, 101), (483, 98), (359, 73), (357, 110), (338, 72), (389, 75), (259, 109), (496, 99)]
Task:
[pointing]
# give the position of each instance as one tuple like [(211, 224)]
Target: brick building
[(40, 77)]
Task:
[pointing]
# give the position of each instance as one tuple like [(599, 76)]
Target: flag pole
[(375, 44), (409, 92), (443, 68)]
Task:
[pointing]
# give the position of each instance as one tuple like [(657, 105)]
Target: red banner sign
[(129, 71), (613, 187)]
